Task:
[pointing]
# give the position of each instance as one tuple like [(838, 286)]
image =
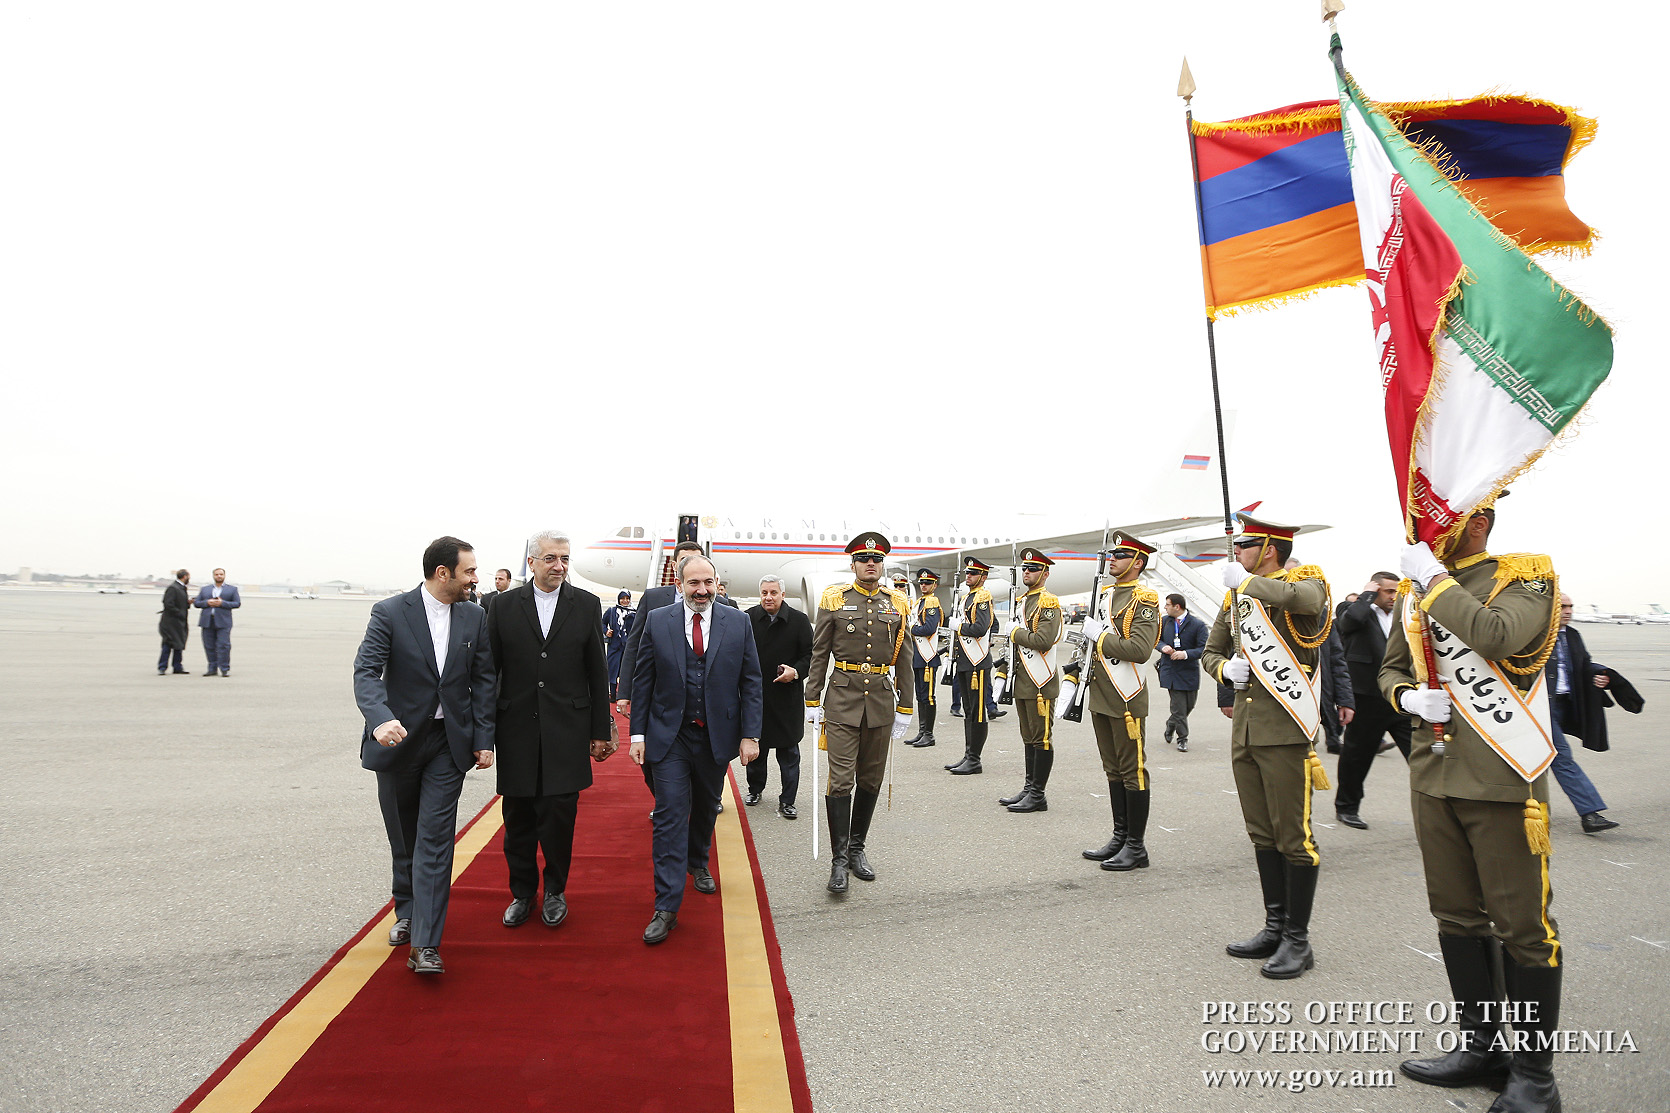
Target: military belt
[(849, 666)]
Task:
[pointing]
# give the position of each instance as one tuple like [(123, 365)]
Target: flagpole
[(1186, 90)]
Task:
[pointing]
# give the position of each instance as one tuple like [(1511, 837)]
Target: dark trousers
[(1374, 719), (532, 824), (1182, 702), (177, 651), (962, 682), (217, 647), (617, 649), (419, 798), (788, 768), (688, 782)]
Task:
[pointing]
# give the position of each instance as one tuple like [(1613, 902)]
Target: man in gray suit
[(696, 705), (425, 683)]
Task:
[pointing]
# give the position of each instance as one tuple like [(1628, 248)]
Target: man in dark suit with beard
[(425, 683), (173, 626), (783, 637), (663, 595), (695, 707), (1363, 627), (553, 714)]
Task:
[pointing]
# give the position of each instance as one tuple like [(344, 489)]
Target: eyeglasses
[(868, 558), (551, 558)]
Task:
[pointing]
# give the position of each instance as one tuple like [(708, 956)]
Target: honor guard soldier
[(926, 619), (971, 652), (1487, 625), (1271, 658), (858, 647), (1121, 631), (1034, 672)]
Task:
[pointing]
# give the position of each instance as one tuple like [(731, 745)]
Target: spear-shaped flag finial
[(1331, 8), (1186, 82)]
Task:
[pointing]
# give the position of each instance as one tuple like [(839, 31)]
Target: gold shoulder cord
[(1514, 567), (1311, 572)]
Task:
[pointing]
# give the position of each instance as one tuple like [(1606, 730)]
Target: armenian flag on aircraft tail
[(1485, 359), (1195, 463), (1276, 193)]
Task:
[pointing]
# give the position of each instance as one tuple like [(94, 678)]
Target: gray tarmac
[(178, 854)]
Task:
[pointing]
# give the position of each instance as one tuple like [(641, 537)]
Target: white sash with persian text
[(927, 646), (1513, 723), (1276, 667), (1041, 667)]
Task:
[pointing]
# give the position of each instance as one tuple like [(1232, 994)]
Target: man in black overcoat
[(552, 722), (783, 637), (175, 625)]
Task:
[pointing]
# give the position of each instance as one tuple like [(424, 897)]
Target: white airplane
[(1616, 618), (808, 551), (1655, 614)]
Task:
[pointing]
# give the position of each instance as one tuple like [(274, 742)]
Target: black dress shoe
[(401, 932), (966, 766), (555, 910), (227, 672), (211, 672), (518, 912), (1351, 819), (751, 799), (426, 960), (787, 811), (704, 880), (957, 711), (1594, 823), (998, 714), (660, 926), (1182, 745), (181, 672), (162, 672)]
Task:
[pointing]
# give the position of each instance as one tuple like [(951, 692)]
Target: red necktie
[(696, 634)]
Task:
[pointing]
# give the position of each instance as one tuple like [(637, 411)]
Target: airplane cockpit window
[(625, 531), (637, 532)]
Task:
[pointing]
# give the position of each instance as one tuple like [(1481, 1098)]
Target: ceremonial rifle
[(1072, 704)]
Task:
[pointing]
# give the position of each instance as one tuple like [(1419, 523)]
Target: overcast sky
[(295, 288)]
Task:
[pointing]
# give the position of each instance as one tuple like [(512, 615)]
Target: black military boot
[(1033, 800), (923, 740), (1026, 789), (1272, 879), (863, 810), (839, 810), (1133, 855), (1530, 1087), (924, 726), (976, 735), (1468, 962), (1116, 797), (1293, 957)]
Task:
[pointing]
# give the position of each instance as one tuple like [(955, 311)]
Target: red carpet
[(582, 1017)]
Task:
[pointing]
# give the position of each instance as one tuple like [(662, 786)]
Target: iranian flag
[(1484, 358)]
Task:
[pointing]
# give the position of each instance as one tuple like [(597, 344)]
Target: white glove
[(814, 715), (1237, 671), (1431, 704), (1418, 564), (1234, 574), (901, 723), (1093, 630)]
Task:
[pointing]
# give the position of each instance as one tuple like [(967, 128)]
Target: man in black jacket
[(553, 714), (783, 637), (1363, 626), (1573, 681), (664, 595), (174, 625)]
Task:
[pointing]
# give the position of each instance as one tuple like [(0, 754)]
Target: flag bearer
[(1480, 799), (1122, 629), (858, 647), (1283, 619), (929, 616), (1036, 675), (971, 635)]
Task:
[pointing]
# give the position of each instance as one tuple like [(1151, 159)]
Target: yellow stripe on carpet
[(258, 1073), (759, 1072)]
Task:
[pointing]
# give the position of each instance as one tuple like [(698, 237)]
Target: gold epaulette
[(1405, 586), (1534, 570), (1146, 595), (980, 595), (832, 596), (1307, 572), (1228, 595), (1047, 601), (900, 600)]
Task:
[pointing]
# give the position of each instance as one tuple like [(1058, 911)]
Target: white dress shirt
[(545, 602), (440, 632), (1385, 618), (216, 593), (707, 638)]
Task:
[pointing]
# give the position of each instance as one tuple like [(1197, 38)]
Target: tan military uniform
[(859, 648), (1133, 616), (1038, 629), (1469, 804), (1269, 753)]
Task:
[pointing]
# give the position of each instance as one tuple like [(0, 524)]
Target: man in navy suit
[(696, 704), (1182, 641), (218, 601), (1363, 626), (425, 682), (662, 595)]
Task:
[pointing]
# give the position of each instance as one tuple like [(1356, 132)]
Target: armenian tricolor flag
[(1278, 218), (1196, 463)]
